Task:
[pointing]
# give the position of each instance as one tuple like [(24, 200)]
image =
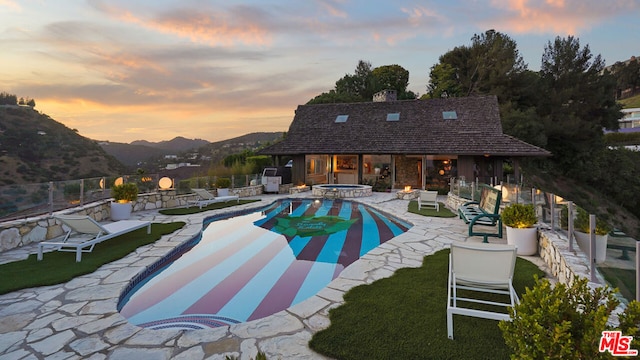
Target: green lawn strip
[(623, 279), (195, 209), (444, 212), (404, 317), (57, 267)]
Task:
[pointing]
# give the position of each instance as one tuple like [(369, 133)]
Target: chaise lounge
[(205, 198), (87, 233)]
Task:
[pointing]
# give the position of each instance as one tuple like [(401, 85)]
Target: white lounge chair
[(428, 198), (480, 268), (87, 233), (205, 198)]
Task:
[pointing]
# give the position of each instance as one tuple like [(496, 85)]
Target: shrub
[(125, 192), (581, 223), (563, 322), (519, 216), (223, 183)]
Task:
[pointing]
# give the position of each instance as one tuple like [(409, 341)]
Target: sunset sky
[(129, 70)]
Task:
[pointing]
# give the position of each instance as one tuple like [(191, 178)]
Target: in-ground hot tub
[(334, 191)]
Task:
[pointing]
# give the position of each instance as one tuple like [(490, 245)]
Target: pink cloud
[(11, 5), (565, 17), (239, 25), (331, 6)]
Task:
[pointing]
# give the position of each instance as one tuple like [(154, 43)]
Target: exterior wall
[(298, 170), (36, 229), (465, 167), (407, 172)]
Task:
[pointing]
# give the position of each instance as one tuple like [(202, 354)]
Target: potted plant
[(520, 221), (123, 195), (222, 186), (583, 237)]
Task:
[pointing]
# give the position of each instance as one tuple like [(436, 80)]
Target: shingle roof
[(421, 129)]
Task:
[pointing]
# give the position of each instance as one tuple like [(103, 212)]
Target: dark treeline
[(11, 99)]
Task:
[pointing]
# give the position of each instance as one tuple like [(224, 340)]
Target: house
[(418, 143), (630, 121)]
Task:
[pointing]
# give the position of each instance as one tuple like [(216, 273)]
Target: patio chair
[(205, 198), (87, 233), (428, 198), (476, 268)]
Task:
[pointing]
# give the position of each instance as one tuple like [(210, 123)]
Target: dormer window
[(449, 115), (393, 116), (342, 118)]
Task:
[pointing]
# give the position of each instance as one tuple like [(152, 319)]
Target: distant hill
[(35, 148), (132, 155), (631, 102), (151, 155), (178, 144), (253, 141)]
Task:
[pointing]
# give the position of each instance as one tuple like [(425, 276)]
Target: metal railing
[(559, 215)]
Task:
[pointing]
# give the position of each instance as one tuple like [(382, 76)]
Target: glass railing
[(27, 200), (617, 265)]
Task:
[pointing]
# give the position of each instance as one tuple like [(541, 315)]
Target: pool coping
[(80, 317)]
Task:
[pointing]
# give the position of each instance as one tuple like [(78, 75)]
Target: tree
[(627, 76), (579, 102), (358, 85), (8, 99), (365, 82), (450, 77), (443, 81), (391, 77), (491, 65)]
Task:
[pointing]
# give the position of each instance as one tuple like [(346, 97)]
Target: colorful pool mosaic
[(250, 266)]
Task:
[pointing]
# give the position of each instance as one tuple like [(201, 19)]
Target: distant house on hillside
[(630, 121), (421, 143)]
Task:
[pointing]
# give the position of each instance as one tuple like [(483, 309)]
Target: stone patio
[(79, 320)]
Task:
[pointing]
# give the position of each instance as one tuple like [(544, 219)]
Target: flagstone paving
[(79, 320)]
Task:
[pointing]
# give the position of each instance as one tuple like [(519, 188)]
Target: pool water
[(247, 267)]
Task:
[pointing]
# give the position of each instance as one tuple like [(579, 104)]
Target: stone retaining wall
[(22, 232)]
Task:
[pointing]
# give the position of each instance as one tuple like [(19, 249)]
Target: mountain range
[(34, 148)]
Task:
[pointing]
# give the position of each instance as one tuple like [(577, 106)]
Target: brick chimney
[(385, 95)]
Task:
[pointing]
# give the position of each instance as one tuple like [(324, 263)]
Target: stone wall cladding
[(22, 232), (360, 191)]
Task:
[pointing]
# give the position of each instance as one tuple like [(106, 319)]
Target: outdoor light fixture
[(119, 181), (165, 183)]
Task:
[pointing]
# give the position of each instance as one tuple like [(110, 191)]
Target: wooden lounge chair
[(205, 198), (428, 198), (87, 233), (477, 268)]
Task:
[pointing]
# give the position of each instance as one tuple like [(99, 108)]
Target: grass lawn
[(57, 267), (195, 209), (632, 102), (623, 279), (444, 212), (404, 317)]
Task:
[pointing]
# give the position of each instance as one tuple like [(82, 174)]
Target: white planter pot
[(584, 242), (525, 240), (223, 192), (120, 211)]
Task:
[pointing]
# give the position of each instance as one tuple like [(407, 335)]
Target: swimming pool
[(250, 266)]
